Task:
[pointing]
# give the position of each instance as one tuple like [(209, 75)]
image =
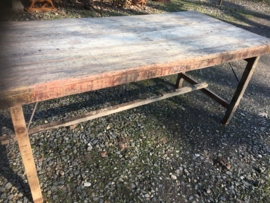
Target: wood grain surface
[(41, 60), (17, 116)]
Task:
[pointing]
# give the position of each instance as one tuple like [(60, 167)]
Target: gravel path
[(169, 151)]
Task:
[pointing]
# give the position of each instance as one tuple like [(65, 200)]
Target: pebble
[(10, 197), (223, 198), (8, 186), (3, 196), (89, 148), (132, 185), (87, 184), (173, 177), (55, 197)]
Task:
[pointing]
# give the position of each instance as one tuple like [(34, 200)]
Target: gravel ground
[(174, 150)]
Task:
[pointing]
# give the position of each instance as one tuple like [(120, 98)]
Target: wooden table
[(42, 60)]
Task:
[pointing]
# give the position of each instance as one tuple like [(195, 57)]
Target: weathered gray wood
[(251, 65), (57, 58), (103, 112), (208, 92)]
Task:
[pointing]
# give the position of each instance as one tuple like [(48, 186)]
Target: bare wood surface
[(104, 112), (57, 58), (17, 116), (251, 65), (179, 81), (208, 92), (220, 2)]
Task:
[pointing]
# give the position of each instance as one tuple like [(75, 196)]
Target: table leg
[(26, 151), (179, 81), (252, 62)]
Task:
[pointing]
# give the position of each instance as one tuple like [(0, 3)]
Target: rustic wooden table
[(42, 60)]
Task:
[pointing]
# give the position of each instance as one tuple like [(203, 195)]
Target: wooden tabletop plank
[(42, 60)]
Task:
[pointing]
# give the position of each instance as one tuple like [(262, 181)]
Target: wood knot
[(21, 130)]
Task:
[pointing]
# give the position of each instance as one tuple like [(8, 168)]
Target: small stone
[(173, 177), (87, 184), (10, 197), (2, 189), (62, 173), (263, 114), (147, 195), (208, 191), (8, 186), (223, 198), (89, 148), (190, 198), (55, 197), (4, 196), (101, 201), (132, 185), (74, 163)]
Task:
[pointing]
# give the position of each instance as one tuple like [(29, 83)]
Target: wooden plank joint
[(208, 92)]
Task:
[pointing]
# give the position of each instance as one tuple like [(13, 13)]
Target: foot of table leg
[(179, 81), (26, 152), (252, 62)]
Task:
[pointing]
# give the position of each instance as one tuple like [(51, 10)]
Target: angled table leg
[(252, 62), (179, 81), (26, 152)]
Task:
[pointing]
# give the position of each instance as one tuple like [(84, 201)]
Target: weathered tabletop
[(50, 59)]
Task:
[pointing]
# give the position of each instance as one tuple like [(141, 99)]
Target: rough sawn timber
[(56, 58), (17, 116)]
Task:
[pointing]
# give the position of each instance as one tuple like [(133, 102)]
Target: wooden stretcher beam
[(104, 112), (208, 92)]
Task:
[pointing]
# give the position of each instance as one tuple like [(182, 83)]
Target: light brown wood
[(104, 112), (208, 92), (251, 65), (17, 116), (57, 58), (179, 80), (220, 2)]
